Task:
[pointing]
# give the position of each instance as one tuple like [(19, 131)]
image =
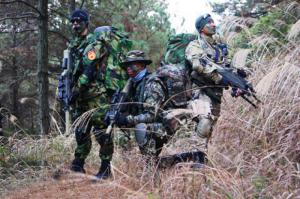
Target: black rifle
[(66, 80), (116, 105), (236, 80), (171, 160), (65, 85)]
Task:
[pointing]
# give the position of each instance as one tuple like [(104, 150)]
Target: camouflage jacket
[(146, 96), (96, 70), (207, 48)]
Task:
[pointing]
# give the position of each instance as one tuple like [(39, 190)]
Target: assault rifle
[(171, 160), (65, 85), (116, 105), (236, 80)]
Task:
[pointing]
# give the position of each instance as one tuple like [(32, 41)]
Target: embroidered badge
[(91, 55)]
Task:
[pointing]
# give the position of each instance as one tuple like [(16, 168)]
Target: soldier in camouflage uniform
[(199, 53), (96, 77), (145, 97), (153, 97)]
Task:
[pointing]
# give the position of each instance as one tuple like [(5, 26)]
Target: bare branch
[(18, 17), (81, 4), (23, 2), (59, 13), (21, 31), (59, 34)]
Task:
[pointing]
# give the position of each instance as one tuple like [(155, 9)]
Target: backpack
[(117, 45), (175, 53), (175, 83)]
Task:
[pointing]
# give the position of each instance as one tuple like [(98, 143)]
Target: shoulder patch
[(91, 55)]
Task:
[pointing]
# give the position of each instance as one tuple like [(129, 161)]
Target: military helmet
[(135, 56), (79, 14), (201, 21)]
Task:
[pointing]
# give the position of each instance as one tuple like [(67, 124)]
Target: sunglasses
[(76, 19), (132, 66)]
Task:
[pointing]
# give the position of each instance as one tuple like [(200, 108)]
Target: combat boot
[(77, 165), (199, 159), (104, 171)]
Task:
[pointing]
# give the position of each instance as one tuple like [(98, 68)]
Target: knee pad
[(141, 134), (204, 128)]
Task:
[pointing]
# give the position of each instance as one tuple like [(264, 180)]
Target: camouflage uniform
[(97, 76), (147, 96), (208, 97), (150, 101)]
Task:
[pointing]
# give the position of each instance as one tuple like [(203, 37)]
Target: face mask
[(78, 26), (140, 75)]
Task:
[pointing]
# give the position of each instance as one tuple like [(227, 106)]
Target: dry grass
[(253, 152), (294, 32), (239, 59), (267, 141)]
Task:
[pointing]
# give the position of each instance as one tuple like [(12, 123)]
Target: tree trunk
[(14, 87), (42, 71), (72, 6)]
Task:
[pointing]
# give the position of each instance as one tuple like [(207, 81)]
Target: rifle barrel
[(249, 101)]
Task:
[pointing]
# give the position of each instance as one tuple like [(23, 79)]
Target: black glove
[(121, 120), (242, 73)]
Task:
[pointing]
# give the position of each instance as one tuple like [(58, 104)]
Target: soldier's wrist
[(130, 119)]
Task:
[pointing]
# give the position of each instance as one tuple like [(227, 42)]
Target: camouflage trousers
[(84, 128), (150, 138), (205, 113), (202, 112)]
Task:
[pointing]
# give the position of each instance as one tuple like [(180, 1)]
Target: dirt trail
[(71, 185)]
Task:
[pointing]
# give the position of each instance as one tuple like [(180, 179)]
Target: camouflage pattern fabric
[(151, 95), (207, 77), (204, 48), (97, 76), (147, 98), (175, 53), (176, 83)]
